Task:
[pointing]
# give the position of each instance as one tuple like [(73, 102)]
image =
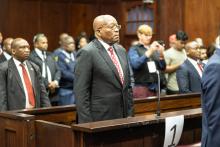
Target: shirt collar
[(39, 53), (106, 46), (17, 62), (194, 62), (7, 56)]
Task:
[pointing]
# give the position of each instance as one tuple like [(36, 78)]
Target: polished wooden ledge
[(134, 121)]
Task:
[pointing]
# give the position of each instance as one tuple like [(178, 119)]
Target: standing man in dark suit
[(102, 79), (49, 69), (21, 83), (6, 55), (190, 72), (211, 100)]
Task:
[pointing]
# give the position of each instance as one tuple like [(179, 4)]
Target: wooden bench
[(19, 127)]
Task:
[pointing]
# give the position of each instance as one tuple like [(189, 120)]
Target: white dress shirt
[(43, 57), (7, 56)]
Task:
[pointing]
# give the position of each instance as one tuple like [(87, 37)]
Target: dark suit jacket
[(211, 102), (188, 78), (98, 90), (2, 58), (54, 69), (12, 96)]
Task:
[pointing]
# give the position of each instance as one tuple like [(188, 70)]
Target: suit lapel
[(107, 58), (194, 71), (14, 72)]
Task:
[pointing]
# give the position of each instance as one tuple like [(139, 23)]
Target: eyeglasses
[(114, 26)]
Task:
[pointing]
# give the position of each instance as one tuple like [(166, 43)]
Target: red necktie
[(28, 86), (200, 67), (117, 64)]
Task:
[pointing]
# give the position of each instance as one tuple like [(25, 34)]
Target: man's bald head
[(106, 28), (101, 20), (7, 45), (192, 44), (17, 43)]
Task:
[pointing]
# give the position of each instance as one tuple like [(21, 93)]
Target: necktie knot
[(111, 49), (22, 65)]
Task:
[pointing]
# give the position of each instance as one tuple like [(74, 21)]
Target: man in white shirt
[(21, 83), (190, 72), (49, 69), (6, 55)]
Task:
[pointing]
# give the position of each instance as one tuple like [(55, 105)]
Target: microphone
[(152, 69), (158, 94)]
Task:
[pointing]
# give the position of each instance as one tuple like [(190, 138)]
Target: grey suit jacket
[(188, 78), (12, 96), (54, 69), (2, 58), (211, 102), (98, 90)]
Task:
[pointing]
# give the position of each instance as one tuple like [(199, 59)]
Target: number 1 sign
[(174, 128)]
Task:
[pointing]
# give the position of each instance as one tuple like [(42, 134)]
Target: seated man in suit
[(66, 63), (49, 69), (21, 83), (6, 55), (190, 72)]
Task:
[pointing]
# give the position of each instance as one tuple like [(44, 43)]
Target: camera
[(161, 42)]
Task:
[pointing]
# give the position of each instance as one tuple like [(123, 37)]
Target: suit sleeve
[(82, 85), (210, 99), (183, 80), (3, 90), (57, 73), (130, 98)]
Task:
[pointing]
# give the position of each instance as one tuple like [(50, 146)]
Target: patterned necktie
[(200, 66), (117, 64), (28, 86)]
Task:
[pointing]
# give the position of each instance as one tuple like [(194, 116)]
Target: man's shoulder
[(4, 66), (33, 64)]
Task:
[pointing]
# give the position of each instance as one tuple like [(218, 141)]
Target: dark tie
[(28, 86), (116, 63)]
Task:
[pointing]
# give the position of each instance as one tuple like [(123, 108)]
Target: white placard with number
[(151, 66), (174, 128)]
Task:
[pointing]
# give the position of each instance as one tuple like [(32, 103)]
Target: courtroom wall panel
[(24, 18)]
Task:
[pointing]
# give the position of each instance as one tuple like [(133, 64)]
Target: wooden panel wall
[(24, 18), (201, 18)]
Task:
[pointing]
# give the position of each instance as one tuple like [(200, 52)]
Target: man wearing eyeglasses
[(102, 79)]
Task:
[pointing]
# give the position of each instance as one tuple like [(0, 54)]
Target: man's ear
[(97, 33), (13, 51)]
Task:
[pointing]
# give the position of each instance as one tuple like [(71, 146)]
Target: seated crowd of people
[(50, 76)]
